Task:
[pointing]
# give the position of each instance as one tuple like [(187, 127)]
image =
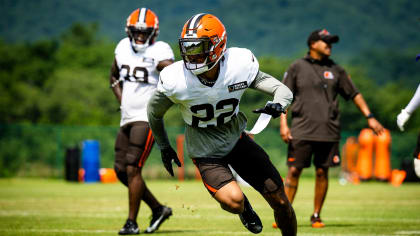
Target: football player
[(208, 85), (139, 58), (404, 116)]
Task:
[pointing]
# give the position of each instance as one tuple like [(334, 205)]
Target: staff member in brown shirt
[(315, 81)]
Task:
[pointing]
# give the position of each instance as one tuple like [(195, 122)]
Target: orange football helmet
[(202, 43), (142, 28)]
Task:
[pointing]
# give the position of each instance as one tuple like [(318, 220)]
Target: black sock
[(132, 221), (157, 209)]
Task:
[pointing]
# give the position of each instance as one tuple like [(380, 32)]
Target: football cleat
[(158, 218), (316, 221), (250, 219), (130, 227)]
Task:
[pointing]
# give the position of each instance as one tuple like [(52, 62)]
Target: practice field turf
[(55, 207)]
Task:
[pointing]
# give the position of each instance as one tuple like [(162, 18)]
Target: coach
[(315, 81)]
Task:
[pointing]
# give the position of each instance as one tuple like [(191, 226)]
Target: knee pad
[(271, 186), (133, 154), (132, 159)]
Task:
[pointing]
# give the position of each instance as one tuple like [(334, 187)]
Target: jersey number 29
[(139, 74)]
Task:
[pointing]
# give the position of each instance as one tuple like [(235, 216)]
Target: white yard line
[(408, 232), (194, 232)]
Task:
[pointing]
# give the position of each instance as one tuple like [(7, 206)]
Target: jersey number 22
[(210, 111)]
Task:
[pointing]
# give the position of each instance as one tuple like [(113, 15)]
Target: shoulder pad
[(162, 51), (243, 60), (169, 77), (123, 45)]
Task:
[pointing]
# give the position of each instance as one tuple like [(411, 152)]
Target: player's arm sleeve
[(414, 102), (158, 104), (346, 87), (268, 84)]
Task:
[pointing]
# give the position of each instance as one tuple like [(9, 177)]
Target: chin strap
[(206, 82), (139, 48), (209, 66)]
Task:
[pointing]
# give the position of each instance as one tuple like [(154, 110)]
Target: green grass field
[(55, 207)]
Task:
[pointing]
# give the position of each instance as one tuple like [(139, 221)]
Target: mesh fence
[(39, 150)]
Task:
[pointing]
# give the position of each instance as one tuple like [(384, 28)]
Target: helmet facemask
[(198, 54), (140, 38)]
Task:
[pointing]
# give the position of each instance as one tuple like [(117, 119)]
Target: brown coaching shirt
[(315, 86)]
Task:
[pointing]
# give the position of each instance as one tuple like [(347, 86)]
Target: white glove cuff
[(417, 166), (405, 112)]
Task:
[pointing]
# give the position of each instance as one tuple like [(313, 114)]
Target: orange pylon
[(382, 169), (364, 158)]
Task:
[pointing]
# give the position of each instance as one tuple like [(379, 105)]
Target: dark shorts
[(300, 152), (133, 145), (249, 161), (416, 153)]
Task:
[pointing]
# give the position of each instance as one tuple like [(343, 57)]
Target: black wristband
[(370, 115)]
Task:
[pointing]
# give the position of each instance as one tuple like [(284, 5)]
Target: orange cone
[(397, 177), (350, 150)]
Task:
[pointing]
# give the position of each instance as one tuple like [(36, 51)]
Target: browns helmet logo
[(202, 43)]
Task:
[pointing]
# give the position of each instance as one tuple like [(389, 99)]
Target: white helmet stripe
[(195, 19), (142, 15)]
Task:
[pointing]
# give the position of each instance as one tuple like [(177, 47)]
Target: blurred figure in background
[(404, 116), (134, 77), (315, 81), (207, 87)]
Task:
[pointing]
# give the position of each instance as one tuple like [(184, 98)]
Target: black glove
[(168, 155), (273, 109)]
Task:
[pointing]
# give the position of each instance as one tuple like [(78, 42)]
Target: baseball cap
[(322, 34)]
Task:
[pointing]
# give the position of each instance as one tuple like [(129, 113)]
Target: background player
[(134, 76), (404, 116), (208, 85)]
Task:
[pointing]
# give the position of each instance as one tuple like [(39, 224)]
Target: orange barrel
[(180, 150), (382, 156), (350, 149), (364, 157), (107, 175)]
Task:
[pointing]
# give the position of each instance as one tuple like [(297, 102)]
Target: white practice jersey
[(140, 77), (203, 106)]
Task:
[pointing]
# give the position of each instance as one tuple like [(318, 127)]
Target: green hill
[(275, 27)]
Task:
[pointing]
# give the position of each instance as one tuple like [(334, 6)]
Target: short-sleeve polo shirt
[(315, 85)]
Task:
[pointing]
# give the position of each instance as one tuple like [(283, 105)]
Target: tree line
[(64, 80)]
